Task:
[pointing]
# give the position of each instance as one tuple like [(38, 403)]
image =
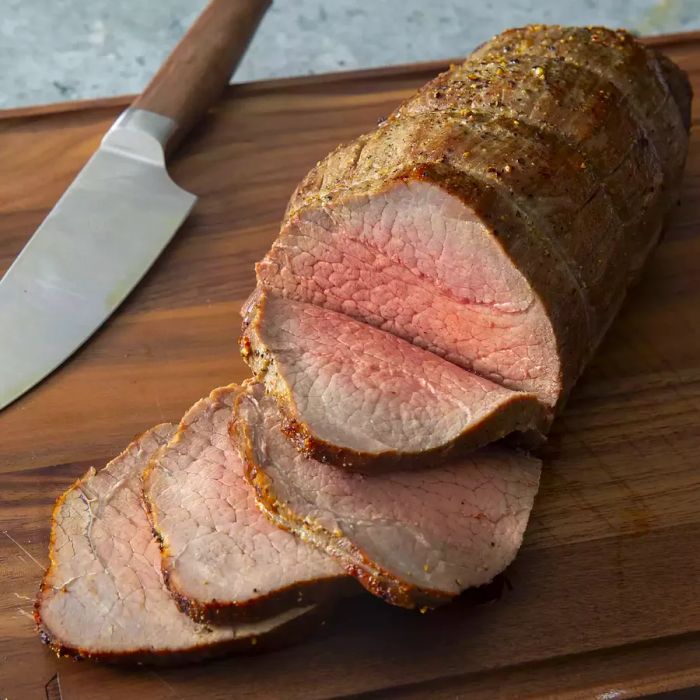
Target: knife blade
[(121, 210)]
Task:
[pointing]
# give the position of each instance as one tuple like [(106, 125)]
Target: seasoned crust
[(319, 593), (645, 79), (293, 631)]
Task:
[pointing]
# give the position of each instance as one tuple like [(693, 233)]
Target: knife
[(120, 211)]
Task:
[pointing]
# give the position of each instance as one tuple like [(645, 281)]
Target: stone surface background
[(56, 50)]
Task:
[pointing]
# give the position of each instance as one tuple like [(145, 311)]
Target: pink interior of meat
[(417, 262)]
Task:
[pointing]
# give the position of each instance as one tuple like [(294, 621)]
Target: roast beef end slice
[(363, 399), (223, 560), (103, 595), (415, 538)]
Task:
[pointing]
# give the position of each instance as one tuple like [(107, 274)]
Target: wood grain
[(604, 594)]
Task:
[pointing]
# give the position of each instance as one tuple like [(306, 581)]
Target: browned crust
[(375, 579), (613, 54), (618, 56), (514, 416), (227, 612), (291, 632), (318, 592)]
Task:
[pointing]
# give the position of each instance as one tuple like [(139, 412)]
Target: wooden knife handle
[(200, 66)]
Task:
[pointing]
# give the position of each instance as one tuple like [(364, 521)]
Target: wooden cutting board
[(603, 600)]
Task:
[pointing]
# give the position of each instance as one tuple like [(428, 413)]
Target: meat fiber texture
[(415, 537), (103, 595), (362, 398), (498, 216), (222, 559)]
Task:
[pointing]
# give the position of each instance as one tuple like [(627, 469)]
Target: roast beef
[(221, 557), (416, 537), (361, 398), (103, 595), (499, 215), (437, 283)]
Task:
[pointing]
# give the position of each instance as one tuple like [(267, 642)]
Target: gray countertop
[(55, 50)]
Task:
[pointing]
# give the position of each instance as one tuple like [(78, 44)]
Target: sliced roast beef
[(221, 557), (415, 538), (499, 215), (103, 595), (362, 398)]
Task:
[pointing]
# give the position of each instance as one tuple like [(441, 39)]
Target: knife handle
[(199, 68)]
